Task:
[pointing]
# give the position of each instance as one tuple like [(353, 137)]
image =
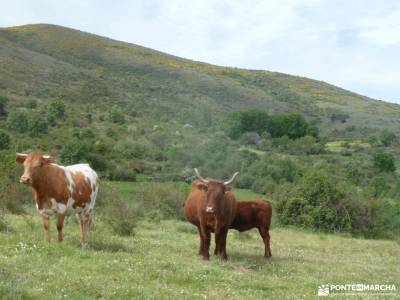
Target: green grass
[(337, 146), (161, 262)]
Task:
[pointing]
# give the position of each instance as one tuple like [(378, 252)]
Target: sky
[(354, 44)]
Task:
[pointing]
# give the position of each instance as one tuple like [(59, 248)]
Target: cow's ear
[(202, 186), (46, 159), (20, 158), (228, 188)]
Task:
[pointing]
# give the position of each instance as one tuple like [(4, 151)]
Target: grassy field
[(160, 262)]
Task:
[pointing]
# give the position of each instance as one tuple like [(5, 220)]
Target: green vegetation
[(292, 125), (159, 260), (325, 157), (384, 162)]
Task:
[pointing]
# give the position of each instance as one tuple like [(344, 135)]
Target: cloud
[(353, 44)]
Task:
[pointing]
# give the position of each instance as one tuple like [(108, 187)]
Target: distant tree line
[(292, 125)]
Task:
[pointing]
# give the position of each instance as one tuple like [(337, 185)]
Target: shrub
[(116, 115), (31, 104), (13, 195), (316, 202), (37, 126), (378, 186), (121, 172), (387, 137), (5, 140), (3, 102), (118, 212), (266, 186), (384, 162), (56, 108), (244, 181), (18, 121), (74, 152), (161, 201)]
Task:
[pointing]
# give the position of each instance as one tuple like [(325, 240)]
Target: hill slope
[(47, 61)]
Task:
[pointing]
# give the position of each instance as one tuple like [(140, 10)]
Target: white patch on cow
[(92, 179)]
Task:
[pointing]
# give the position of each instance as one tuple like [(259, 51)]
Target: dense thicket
[(292, 125)]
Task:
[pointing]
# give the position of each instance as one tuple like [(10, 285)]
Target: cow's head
[(215, 190), (33, 163)]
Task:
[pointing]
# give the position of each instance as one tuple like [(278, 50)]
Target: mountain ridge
[(51, 61)]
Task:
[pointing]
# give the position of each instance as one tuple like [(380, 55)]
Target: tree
[(18, 121), (384, 162), (387, 137), (5, 140), (37, 126), (74, 152), (57, 108), (291, 124), (3, 102)]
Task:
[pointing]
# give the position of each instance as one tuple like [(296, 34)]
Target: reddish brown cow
[(60, 190), (211, 207), (254, 214)]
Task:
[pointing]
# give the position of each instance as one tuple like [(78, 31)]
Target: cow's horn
[(199, 176), (21, 154), (46, 156), (232, 179)]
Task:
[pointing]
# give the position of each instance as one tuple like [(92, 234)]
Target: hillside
[(46, 62), (329, 158)]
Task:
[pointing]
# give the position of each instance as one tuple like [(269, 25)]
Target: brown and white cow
[(255, 214), (60, 190), (211, 207)]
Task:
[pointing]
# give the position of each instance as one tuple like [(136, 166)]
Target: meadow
[(160, 261)]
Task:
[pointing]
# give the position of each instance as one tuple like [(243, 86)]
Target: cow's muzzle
[(25, 180), (209, 209)]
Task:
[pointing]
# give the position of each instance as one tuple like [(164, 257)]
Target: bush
[(37, 126), (266, 186), (316, 203), (18, 121), (121, 172), (74, 152), (31, 104), (5, 140), (161, 201), (118, 212), (3, 102), (387, 137), (56, 108), (378, 186), (384, 162), (13, 195), (116, 115)]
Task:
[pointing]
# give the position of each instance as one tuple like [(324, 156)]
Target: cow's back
[(252, 213)]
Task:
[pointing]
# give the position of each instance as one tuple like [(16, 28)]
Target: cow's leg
[(201, 242), (218, 249), (85, 221), (264, 232), (205, 237), (46, 226), (222, 243), (60, 224)]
